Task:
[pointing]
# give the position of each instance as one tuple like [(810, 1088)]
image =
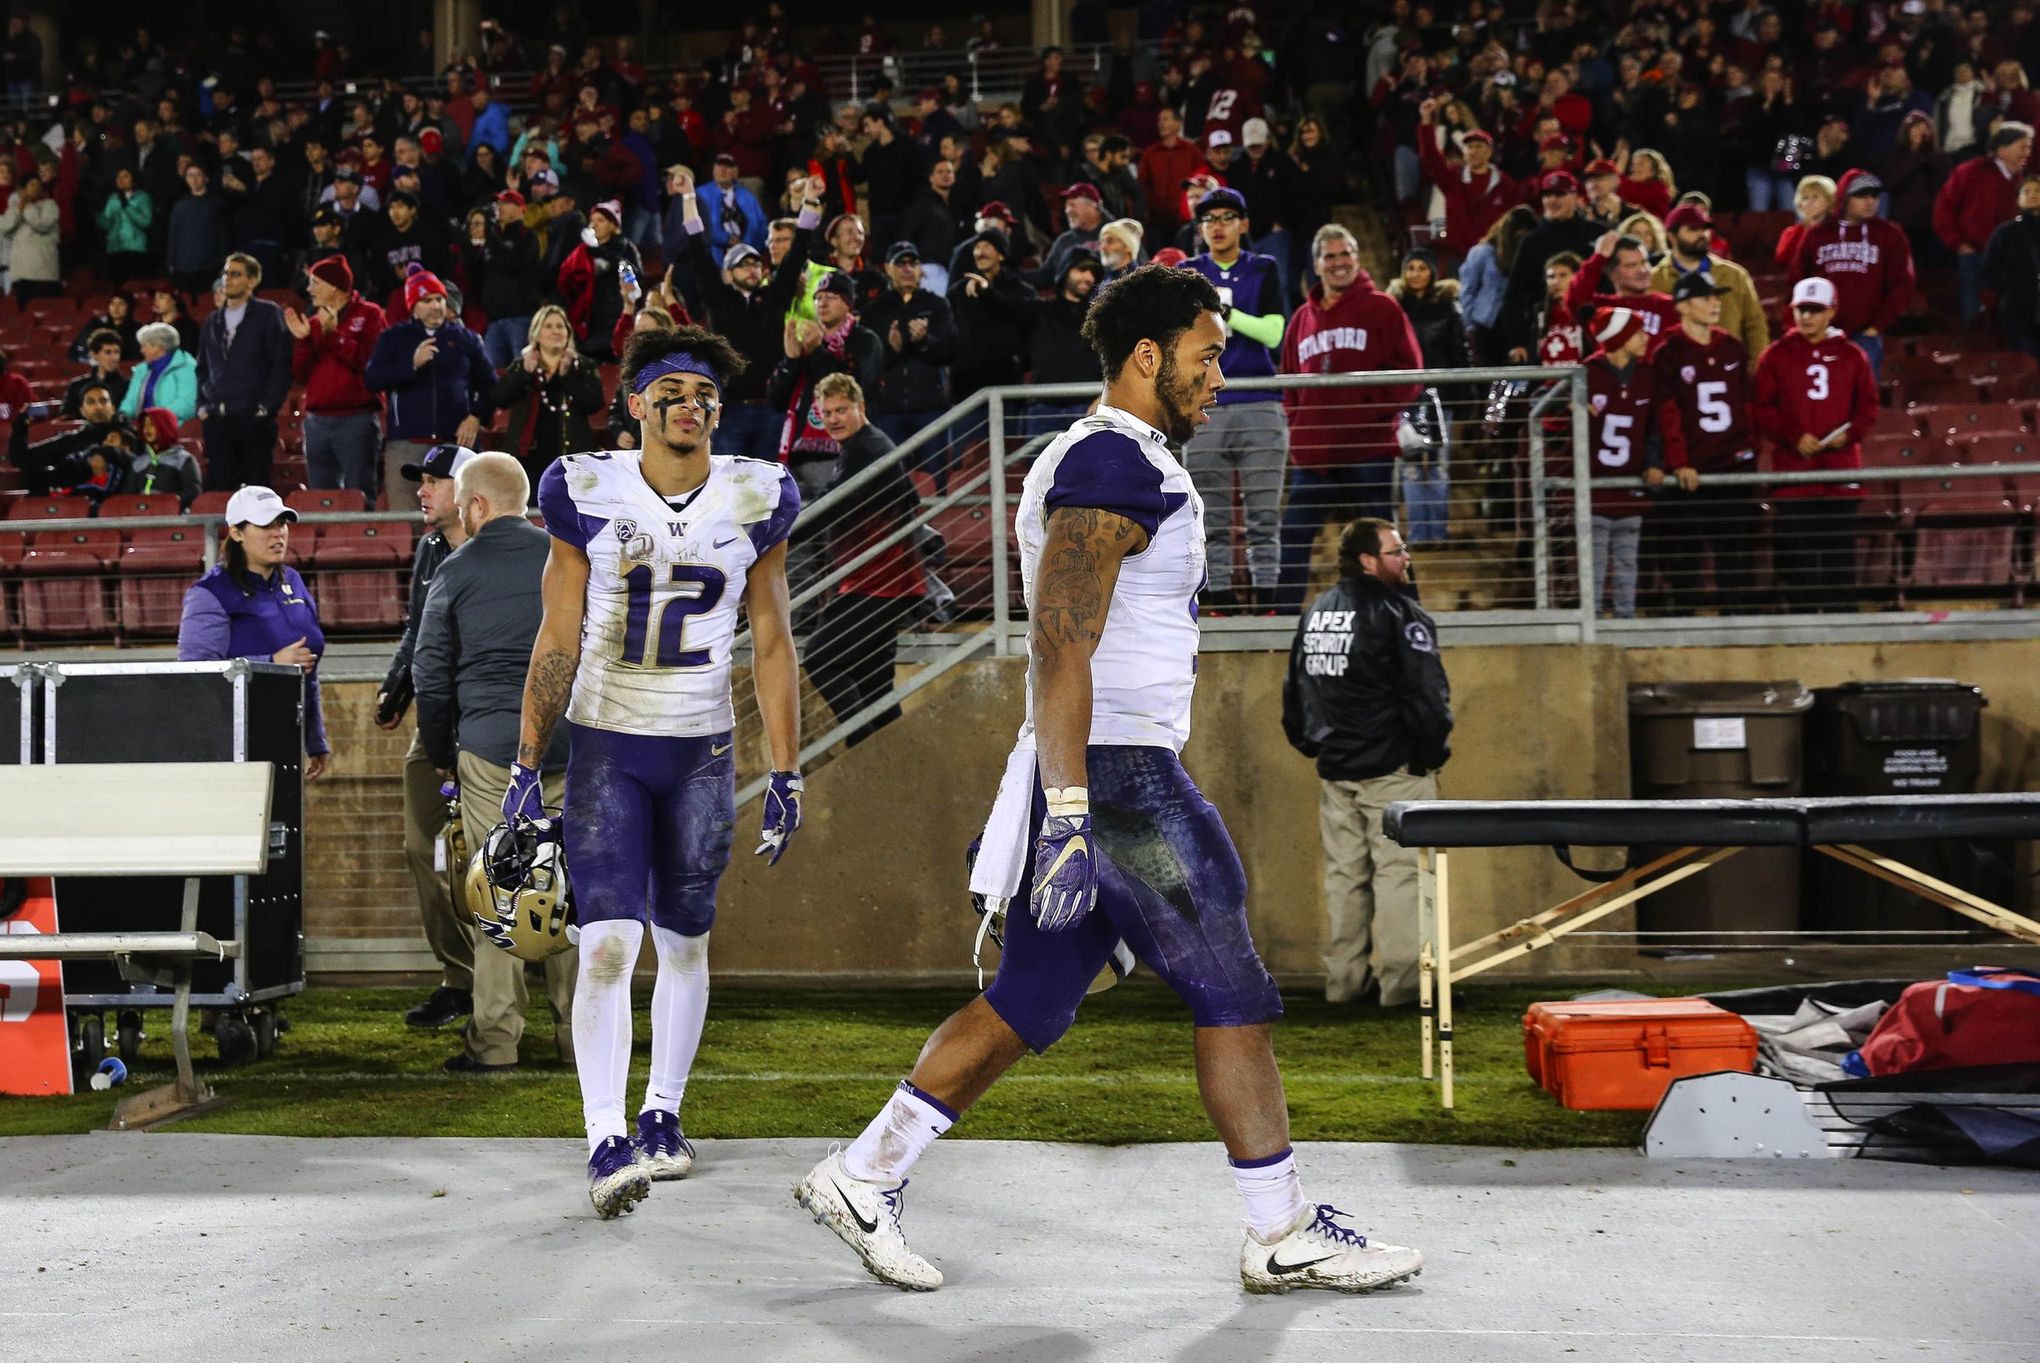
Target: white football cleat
[(1324, 1254), (866, 1216)]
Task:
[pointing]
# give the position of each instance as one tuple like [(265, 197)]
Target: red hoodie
[(1973, 201), (1814, 388), (1471, 206), (1869, 263), (1366, 331), (1584, 297), (333, 366)]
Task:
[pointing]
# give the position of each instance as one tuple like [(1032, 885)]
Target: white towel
[(1008, 840)]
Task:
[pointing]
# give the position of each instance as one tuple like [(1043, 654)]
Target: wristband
[(1067, 801)]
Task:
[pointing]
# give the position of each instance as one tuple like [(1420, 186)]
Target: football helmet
[(518, 891)]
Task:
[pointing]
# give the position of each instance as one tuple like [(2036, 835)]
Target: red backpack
[(1983, 1016)]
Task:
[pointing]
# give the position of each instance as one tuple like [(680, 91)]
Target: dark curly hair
[(647, 347), (1153, 303)]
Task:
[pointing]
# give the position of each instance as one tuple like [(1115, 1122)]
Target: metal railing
[(990, 76)]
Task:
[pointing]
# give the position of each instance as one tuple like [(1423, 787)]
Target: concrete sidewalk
[(170, 1247)]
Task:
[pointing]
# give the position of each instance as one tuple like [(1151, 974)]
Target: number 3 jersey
[(1145, 666), (665, 580)]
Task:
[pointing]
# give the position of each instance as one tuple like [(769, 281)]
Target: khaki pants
[(500, 997), (448, 932), (1370, 888)]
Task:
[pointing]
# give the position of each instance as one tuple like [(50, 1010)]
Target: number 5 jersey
[(1710, 383), (665, 580)]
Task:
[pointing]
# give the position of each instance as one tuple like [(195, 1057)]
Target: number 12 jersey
[(665, 580)]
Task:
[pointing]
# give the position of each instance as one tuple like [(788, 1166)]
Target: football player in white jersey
[(653, 550), (1125, 848)]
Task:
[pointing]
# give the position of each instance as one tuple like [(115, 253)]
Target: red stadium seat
[(211, 504), (63, 589), (1947, 391), (13, 548), (156, 567), (153, 504), (1963, 532), (1955, 421), (357, 575), (50, 509), (326, 501), (2001, 448), (1902, 450)]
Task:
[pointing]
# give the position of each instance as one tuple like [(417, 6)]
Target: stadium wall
[(875, 886)]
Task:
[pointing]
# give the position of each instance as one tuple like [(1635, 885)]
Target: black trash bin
[(1719, 741), (1922, 736)]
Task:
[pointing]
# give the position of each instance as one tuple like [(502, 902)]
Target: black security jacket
[(1366, 692)]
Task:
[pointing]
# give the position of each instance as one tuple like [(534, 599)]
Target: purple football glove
[(782, 815), (525, 799), (1065, 863)]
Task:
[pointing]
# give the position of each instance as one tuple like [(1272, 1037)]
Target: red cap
[(1614, 328), (610, 209), (1558, 143), (334, 272), (1688, 215), (510, 196), (1084, 189), (1559, 182), (431, 140), (1477, 135), (418, 284), (1603, 166)]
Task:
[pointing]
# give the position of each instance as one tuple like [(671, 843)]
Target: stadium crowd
[(459, 253)]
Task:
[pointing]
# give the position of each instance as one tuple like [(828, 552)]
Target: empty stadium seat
[(13, 548), (135, 504), (63, 587), (326, 501), (2002, 447), (1963, 532), (156, 567), (211, 504), (1956, 420), (1946, 391), (50, 509), (1903, 450), (357, 574)]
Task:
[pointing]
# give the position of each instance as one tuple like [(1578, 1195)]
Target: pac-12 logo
[(626, 531)]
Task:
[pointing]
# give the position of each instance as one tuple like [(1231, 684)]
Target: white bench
[(187, 819)]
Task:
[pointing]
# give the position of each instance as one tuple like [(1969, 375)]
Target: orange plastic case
[(1625, 1054)]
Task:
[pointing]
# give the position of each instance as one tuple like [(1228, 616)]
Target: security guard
[(1366, 697), (474, 648)]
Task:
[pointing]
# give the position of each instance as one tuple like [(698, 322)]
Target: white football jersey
[(664, 585), (1145, 667)]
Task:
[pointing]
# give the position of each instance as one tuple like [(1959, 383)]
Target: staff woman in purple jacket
[(254, 605)]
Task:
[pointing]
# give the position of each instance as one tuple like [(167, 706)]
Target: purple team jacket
[(221, 621)]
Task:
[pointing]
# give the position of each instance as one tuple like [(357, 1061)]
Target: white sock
[(679, 1004), (1273, 1193), (904, 1128), (609, 949)]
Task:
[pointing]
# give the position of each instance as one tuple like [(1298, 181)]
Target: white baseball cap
[(257, 506), (1254, 132), (1813, 292), (1218, 137)]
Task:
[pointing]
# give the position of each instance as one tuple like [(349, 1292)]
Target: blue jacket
[(428, 404), (710, 199), (1481, 286), (492, 125), (222, 621), (177, 389), (254, 372)]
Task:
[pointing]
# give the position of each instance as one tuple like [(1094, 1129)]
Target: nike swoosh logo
[(1732, 367), (1075, 847), (1280, 1269), (855, 1215), (714, 751), (724, 544)]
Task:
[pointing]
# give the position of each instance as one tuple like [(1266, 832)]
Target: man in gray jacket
[(448, 929), (474, 648)]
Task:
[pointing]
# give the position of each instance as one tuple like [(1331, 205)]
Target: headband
[(680, 362)]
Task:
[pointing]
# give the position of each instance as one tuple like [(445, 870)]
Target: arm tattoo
[(546, 691), (1072, 597)]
